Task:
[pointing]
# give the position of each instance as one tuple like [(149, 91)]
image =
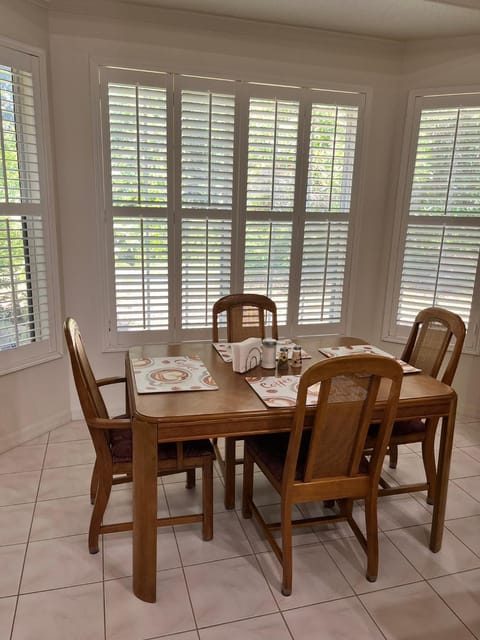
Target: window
[(214, 186), (440, 230), (24, 287)]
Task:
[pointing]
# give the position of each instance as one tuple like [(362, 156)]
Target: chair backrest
[(428, 344), (347, 394), (246, 316), (91, 401)]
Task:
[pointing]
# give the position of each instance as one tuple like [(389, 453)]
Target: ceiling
[(396, 19)]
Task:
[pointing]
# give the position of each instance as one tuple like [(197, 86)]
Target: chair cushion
[(121, 447), (271, 450), (401, 428)]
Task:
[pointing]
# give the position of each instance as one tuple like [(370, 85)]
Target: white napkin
[(246, 355)]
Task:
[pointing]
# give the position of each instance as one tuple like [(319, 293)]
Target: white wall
[(36, 399)]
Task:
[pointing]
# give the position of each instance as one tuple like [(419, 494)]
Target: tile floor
[(51, 588)]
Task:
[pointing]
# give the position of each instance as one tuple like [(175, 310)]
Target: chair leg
[(190, 484), (94, 483), (207, 497), (229, 473), (247, 491), (372, 537), (287, 554), (428, 455), (393, 455), (101, 501)]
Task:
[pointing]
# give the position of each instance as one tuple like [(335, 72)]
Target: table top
[(235, 409)]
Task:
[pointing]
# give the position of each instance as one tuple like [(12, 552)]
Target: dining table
[(234, 409)]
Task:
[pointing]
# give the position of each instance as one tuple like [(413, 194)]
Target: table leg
[(145, 510), (443, 470)]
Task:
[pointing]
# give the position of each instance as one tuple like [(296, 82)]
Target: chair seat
[(121, 447)]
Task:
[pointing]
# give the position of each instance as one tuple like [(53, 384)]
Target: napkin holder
[(246, 354)]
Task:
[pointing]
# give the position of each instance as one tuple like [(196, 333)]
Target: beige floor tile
[(404, 511), (188, 635), (229, 540), (459, 503), (463, 464), (11, 561), (64, 454), (471, 486), (128, 618), (472, 451), (467, 434), (316, 578), (61, 562), (7, 611), (65, 482), (345, 619), (462, 594), (468, 531), (17, 488), (414, 611), (117, 553), (61, 517), (270, 627), (453, 556), (15, 523), (42, 439), (75, 613), (77, 430), (22, 459), (184, 501), (393, 568), (222, 595)]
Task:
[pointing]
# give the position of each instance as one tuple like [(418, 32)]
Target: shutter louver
[(331, 158), (206, 268), (138, 145), (272, 155), (323, 272), (267, 262), (141, 273), (207, 131)]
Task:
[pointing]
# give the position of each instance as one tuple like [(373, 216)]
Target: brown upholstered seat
[(247, 315), (112, 439), (434, 346), (327, 463)]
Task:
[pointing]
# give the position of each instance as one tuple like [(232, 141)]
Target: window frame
[(33, 60), (454, 97)]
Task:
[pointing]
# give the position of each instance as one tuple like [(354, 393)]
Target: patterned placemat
[(224, 349), (173, 373), (349, 350)]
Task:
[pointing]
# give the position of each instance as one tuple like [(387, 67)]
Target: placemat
[(173, 373), (349, 350)]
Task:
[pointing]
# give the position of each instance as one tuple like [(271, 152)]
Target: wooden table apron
[(235, 409)]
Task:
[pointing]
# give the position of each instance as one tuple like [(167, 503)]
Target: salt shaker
[(296, 357), (268, 353), (283, 358)]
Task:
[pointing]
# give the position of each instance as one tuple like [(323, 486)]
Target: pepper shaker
[(283, 358), (296, 357)]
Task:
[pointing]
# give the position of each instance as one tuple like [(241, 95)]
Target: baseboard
[(471, 411), (10, 440)]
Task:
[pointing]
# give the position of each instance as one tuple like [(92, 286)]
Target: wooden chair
[(246, 317), (327, 462), (112, 439), (429, 347)]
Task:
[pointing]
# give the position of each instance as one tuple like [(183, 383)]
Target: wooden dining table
[(234, 409)]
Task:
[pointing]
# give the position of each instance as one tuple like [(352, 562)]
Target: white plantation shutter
[(272, 154), (207, 132), (138, 145), (24, 315), (206, 268), (209, 191), (442, 225)]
